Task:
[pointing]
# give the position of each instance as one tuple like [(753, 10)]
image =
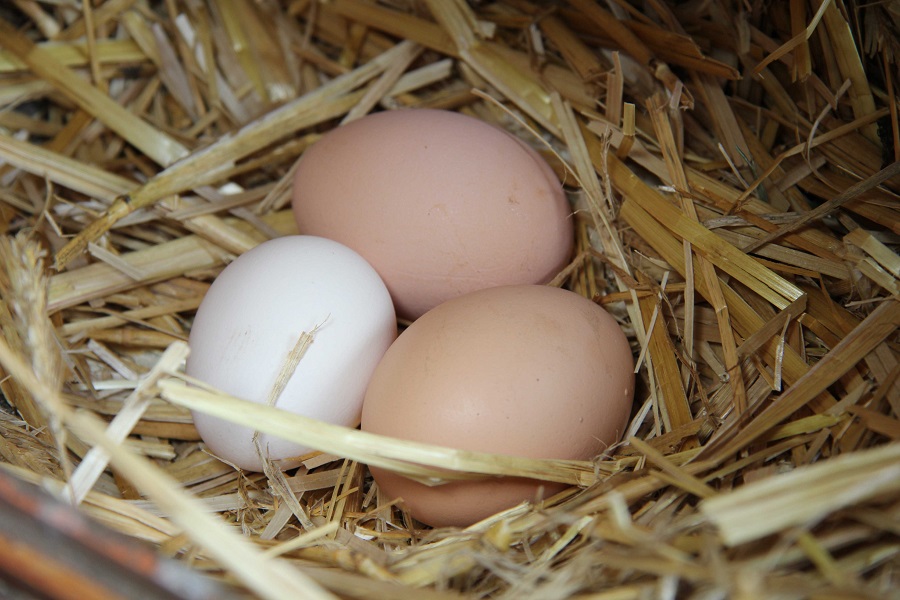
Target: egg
[(272, 299), (530, 371), (440, 203)]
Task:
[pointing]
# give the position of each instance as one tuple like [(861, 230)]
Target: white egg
[(254, 315)]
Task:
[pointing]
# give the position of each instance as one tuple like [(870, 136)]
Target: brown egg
[(439, 203), (528, 371)]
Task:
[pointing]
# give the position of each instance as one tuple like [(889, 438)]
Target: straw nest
[(734, 166)]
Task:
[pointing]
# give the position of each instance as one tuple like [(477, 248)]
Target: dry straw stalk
[(734, 178)]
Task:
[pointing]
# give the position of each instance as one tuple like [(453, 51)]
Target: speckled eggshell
[(253, 316), (530, 371), (440, 203)]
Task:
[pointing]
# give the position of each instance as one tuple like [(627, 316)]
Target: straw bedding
[(734, 169)]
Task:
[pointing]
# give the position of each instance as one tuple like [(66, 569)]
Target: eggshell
[(254, 314), (528, 371), (440, 203)]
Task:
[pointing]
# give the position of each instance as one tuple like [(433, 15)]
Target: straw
[(732, 169)]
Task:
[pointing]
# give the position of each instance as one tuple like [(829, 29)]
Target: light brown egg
[(528, 371), (439, 203)]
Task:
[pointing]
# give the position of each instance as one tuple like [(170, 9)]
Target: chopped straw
[(733, 172)]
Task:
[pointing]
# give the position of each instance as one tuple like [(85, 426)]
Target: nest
[(734, 166)]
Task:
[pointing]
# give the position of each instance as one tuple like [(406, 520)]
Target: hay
[(735, 172)]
